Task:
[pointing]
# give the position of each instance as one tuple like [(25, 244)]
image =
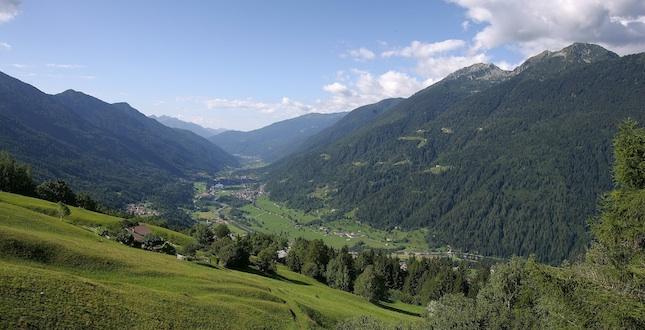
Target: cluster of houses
[(141, 210), (249, 194)]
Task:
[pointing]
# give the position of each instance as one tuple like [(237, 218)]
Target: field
[(274, 218), (60, 274)]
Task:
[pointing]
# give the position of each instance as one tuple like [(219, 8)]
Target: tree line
[(16, 178)]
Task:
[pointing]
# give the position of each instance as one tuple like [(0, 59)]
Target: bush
[(125, 237), (190, 249)]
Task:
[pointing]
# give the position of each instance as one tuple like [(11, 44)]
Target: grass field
[(274, 218), (60, 274)]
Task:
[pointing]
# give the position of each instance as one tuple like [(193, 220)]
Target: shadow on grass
[(274, 276), (394, 309)]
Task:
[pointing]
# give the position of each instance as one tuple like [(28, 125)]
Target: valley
[(79, 279)]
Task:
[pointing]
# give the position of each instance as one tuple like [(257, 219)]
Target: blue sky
[(245, 64)]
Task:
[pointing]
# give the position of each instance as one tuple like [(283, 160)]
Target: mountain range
[(112, 151), (491, 161), (173, 122), (277, 140)]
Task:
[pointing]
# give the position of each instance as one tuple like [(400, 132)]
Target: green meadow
[(275, 218), (60, 274)]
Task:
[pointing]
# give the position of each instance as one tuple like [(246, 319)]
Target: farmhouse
[(139, 232)]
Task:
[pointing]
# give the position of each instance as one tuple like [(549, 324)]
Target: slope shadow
[(274, 276), (394, 309)]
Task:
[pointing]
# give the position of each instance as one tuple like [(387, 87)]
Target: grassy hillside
[(61, 274)]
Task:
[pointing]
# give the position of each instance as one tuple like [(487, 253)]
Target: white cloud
[(367, 88), (65, 66), (5, 46), (336, 88), (361, 54), (8, 10), (420, 49), (286, 105), (532, 26)]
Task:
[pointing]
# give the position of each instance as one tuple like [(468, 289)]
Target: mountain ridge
[(432, 160)]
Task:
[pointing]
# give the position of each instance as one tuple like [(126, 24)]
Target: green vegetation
[(55, 274), (268, 216), (521, 171)]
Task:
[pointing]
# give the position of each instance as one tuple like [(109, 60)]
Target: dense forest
[(495, 162)]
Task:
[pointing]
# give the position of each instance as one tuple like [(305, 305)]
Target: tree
[(629, 154), (233, 255), (452, 311), (370, 285), (85, 201), (340, 271), (266, 259), (316, 259), (15, 177), (56, 191), (505, 302), (296, 256), (62, 210), (221, 231), (203, 234), (619, 230)]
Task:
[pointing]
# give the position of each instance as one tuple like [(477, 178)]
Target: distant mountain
[(498, 162), (277, 140), (197, 129), (110, 150)]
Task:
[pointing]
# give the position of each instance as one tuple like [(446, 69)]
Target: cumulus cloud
[(532, 26), (5, 46), (361, 54), (367, 88), (420, 49), (8, 10)]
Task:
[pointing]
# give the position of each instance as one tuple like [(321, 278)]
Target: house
[(139, 232), (282, 254)]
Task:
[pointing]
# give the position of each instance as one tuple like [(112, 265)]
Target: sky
[(245, 64)]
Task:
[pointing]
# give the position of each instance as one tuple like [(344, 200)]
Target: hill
[(173, 122), (277, 140), (110, 150), (490, 161), (60, 274)]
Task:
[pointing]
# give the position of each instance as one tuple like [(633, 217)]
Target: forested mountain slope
[(277, 140), (491, 161), (353, 121), (110, 150)]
